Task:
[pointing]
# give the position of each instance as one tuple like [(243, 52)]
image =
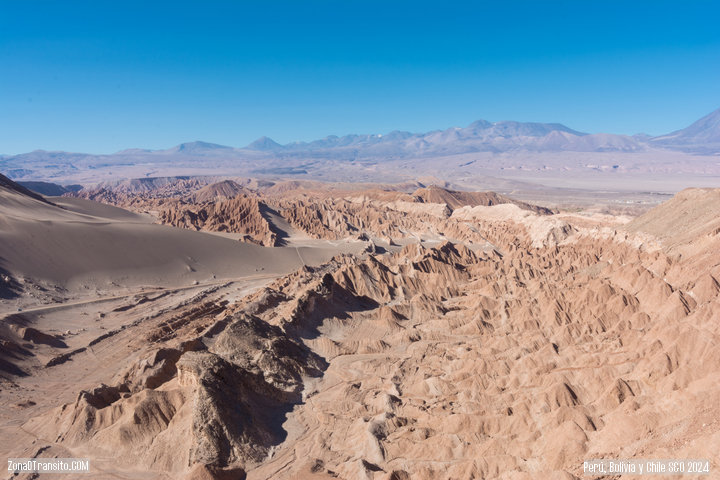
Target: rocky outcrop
[(385, 214), (240, 214), (456, 199), (223, 190), (219, 407), (520, 347)]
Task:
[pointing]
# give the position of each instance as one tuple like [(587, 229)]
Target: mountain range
[(486, 136), (265, 156)]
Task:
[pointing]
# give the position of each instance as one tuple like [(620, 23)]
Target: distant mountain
[(264, 144), (198, 148), (478, 136), (134, 151), (597, 142), (513, 140), (509, 129), (701, 135)]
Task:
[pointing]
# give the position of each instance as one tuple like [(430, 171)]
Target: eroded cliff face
[(384, 214), (524, 346), (192, 203), (240, 214), (319, 213)]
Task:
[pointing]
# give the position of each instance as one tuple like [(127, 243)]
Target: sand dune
[(86, 246), (78, 244)]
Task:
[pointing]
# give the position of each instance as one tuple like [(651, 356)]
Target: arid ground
[(208, 328)]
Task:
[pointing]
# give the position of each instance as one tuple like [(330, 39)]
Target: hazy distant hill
[(479, 135), (703, 135), (480, 145)]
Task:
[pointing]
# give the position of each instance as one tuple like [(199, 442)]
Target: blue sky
[(100, 76)]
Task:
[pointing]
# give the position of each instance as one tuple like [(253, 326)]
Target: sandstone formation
[(239, 214), (381, 213), (483, 340), (223, 190), (455, 199), (230, 207)]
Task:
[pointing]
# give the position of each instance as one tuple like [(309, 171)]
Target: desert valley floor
[(297, 330)]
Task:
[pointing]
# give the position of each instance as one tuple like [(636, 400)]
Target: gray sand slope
[(79, 245)]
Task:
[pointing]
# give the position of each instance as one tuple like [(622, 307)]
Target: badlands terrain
[(215, 328)]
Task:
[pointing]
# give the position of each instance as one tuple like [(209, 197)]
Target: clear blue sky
[(100, 76)]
